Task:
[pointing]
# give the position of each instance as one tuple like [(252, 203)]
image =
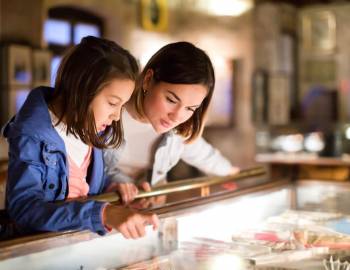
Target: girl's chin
[(102, 128)]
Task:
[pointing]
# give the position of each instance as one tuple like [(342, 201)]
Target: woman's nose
[(176, 115)]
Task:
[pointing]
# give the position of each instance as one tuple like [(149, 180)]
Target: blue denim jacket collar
[(26, 120)]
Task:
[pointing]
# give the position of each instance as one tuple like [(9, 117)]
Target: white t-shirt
[(137, 155), (75, 148)]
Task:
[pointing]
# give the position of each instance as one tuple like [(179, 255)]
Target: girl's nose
[(115, 116)]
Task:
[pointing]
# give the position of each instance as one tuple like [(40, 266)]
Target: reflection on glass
[(57, 32), (82, 30), (55, 62), (228, 261), (201, 224)]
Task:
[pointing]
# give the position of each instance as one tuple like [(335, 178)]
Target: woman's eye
[(191, 109), (113, 104), (170, 100)]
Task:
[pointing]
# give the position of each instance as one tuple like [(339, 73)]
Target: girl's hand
[(127, 191), (129, 223)]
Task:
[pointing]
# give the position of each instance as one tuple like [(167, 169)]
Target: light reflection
[(235, 217), (288, 143), (347, 133), (314, 142), (227, 262), (225, 7)]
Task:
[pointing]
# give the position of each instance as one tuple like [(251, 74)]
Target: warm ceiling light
[(225, 7)]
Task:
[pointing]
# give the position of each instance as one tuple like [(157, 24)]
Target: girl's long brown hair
[(84, 71)]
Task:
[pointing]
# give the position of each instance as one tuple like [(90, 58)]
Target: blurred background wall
[(268, 57)]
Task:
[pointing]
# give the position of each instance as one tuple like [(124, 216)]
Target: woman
[(163, 122)]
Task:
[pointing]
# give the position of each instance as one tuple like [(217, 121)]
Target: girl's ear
[(147, 80)]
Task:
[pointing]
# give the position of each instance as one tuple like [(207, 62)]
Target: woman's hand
[(130, 223), (127, 191), (148, 202), (234, 170), (145, 186)]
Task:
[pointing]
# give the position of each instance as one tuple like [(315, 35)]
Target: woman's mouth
[(165, 123)]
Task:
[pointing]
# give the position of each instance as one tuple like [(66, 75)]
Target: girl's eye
[(170, 100), (113, 104)]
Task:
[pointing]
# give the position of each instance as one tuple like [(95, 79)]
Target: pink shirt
[(77, 177), (77, 181)]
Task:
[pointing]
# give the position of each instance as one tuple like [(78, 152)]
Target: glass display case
[(248, 223)]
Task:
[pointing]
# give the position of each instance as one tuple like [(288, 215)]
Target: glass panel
[(55, 62), (324, 196), (82, 30), (57, 32)]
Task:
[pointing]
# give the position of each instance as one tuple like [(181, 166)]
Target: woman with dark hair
[(55, 144), (163, 121)]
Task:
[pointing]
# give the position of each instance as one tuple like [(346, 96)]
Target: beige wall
[(21, 21)]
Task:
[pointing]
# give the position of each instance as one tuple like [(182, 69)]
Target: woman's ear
[(147, 80)]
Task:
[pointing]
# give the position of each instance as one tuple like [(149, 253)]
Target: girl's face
[(168, 105), (108, 103)]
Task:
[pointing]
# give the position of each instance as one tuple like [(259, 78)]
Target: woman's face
[(107, 104), (168, 105)]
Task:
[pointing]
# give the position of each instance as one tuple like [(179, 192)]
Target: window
[(65, 27), (57, 32), (83, 29)]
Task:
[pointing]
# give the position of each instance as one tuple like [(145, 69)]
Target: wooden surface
[(301, 159)]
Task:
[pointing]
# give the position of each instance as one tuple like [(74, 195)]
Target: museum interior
[(280, 112)]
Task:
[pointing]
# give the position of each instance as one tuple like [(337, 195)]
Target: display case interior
[(248, 223)]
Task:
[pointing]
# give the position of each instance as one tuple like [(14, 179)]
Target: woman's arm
[(206, 158), (110, 159)]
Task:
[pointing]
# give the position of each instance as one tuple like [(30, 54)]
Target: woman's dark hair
[(180, 63), (84, 71)]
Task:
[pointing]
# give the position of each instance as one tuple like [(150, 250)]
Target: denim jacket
[(170, 150), (38, 173)]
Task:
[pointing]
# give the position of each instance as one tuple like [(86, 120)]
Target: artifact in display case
[(298, 235)]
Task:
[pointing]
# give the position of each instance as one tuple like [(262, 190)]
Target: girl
[(164, 119), (55, 142)]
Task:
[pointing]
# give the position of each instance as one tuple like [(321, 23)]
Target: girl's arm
[(27, 204), (33, 187)]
